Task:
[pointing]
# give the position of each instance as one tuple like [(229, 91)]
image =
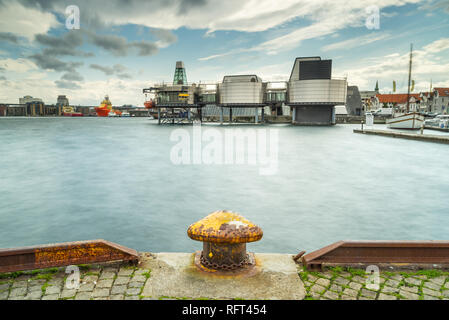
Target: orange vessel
[(105, 108)]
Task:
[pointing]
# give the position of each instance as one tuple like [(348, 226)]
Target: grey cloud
[(64, 45), (117, 69), (9, 37), (51, 63), (145, 48), (67, 84), (43, 4), (2, 78), (124, 76), (72, 76), (186, 5), (66, 52), (166, 36), (108, 71), (70, 39), (117, 45)]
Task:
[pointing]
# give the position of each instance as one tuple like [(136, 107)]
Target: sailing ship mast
[(409, 78)]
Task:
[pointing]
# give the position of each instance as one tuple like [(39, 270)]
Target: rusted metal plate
[(63, 254), (383, 253)]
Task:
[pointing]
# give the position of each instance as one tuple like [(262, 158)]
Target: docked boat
[(407, 120), (105, 109), (125, 114), (411, 120), (70, 112)]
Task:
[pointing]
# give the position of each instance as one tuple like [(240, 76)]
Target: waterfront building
[(368, 100), (309, 96), (439, 102), (426, 101), (62, 101), (354, 102), (313, 93), (29, 99)]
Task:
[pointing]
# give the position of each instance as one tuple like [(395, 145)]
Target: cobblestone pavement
[(350, 284), (126, 282), (97, 282)]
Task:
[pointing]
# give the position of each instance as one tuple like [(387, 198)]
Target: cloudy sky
[(123, 46)]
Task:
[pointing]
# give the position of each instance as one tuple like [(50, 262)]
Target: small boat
[(125, 114), (70, 112), (112, 114), (432, 122), (407, 120), (412, 120)]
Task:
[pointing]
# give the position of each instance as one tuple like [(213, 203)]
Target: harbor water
[(67, 179)]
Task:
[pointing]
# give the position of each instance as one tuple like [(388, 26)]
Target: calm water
[(67, 179)]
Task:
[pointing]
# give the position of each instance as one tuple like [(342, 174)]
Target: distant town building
[(354, 101), (439, 101), (29, 99), (398, 101), (62, 101), (368, 99)]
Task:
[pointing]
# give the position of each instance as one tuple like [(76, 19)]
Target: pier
[(411, 136)]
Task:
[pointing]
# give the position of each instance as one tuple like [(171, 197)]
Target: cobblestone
[(323, 282), (100, 293), (355, 286), (431, 292), (408, 295), (118, 290), (432, 285), (330, 295), (51, 297), (121, 280), (52, 290), (438, 280), (317, 288), (18, 291), (409, 289), (105, 283), (383, 296), (336, 288), (133, 291), (83, 296), (341, 281), (368, 293), (413, 281), (350, 292), (135, 284)]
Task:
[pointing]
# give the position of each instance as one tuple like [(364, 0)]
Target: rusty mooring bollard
[(224, 235)]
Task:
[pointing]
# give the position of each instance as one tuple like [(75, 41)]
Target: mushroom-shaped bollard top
[(225, 227)]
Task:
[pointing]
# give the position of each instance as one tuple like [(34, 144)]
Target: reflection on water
[(77, 179)]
